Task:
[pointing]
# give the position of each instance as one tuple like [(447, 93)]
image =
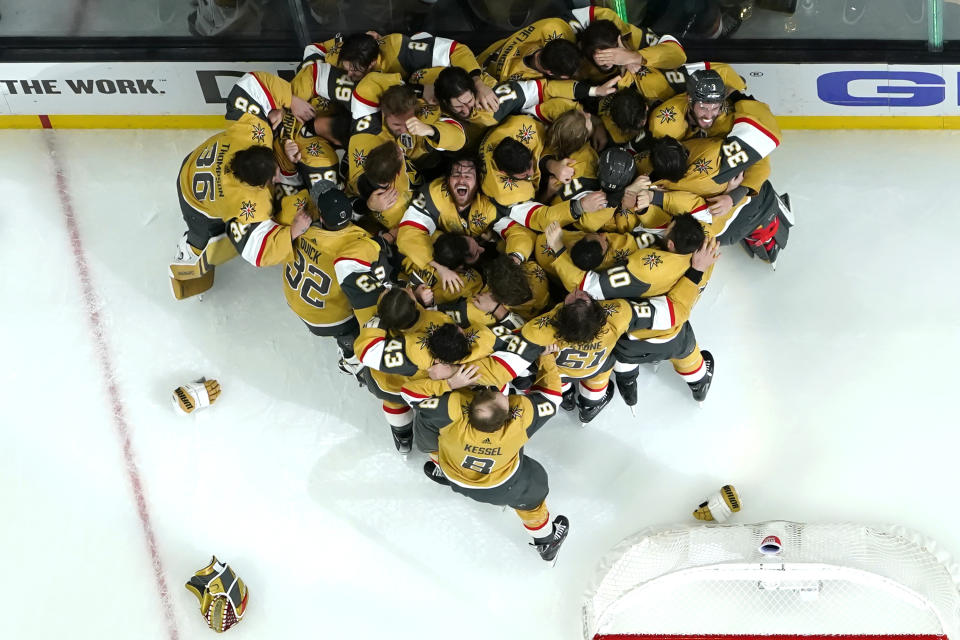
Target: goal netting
[(712, 581)]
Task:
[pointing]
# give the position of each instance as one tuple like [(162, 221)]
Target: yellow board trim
[(219, 122)]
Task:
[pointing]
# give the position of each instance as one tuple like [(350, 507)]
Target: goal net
[(712, 581)]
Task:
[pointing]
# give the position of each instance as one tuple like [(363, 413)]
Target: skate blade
[(633, 410), (656, 367), (773, 265), (700, 403)]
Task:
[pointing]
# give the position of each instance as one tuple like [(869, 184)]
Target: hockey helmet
[(616, 169), (333, 205), (706, 85)]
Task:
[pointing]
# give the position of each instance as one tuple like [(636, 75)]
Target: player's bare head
[(455, 251), (448, 343), (463, 179), (628, 110), (560, 59), (587, 252), (508, 281), (488, 410), (455, 92), (397, 309), (513, 158), (384, 163), (400, 100), (669, 159), (580, 319), (333, 127), (684, 235), (255, 166), (569, 133), (599, 34), (358, 55)]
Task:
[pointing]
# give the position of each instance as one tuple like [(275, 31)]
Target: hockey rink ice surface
[(834, 400)]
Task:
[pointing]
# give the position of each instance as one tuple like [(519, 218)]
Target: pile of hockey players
[(489, 237)]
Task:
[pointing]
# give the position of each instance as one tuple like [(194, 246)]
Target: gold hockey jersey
[(464, 312), (508, 62), (318, 158), (501, 188), (647, 271), (585, 360), (432, 209), (473, 458), (403, 54), (333, 276)]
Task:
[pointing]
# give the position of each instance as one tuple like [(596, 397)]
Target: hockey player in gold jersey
[(453, 204), (336, 274), (703, 109), (651, 267), (224, 188), (476, 439)]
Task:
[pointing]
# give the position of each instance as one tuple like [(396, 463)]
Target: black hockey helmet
[(706, 85), (616, 169), (333, 205)]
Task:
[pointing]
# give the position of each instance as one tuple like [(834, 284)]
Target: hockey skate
[(352, 367), (549, 546), (433, 471), (403, 440), (590, 409), (569, 401), (702, 386), (627, 386)]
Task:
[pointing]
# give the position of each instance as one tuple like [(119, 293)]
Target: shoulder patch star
[(472, 336), (525, 134), (247, 209), (516, 412), (509, 182), (258, 133), (429, 331), (608, 308), (548, 250), (359, 157), (417, 75), (425, 110), (666, 115), (515, 77), (652, 260), (702, 165), (539, 273), (313, 149), (478, 220), (552, 36), (300, 203), (544, 321), (620, 256)]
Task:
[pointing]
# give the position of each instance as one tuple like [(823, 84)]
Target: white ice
[(833, 401)]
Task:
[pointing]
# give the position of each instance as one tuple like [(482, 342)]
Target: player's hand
[(704, 257), (593, 201), (486, 98), (734, 182), (448, 277), (485, 302), (605, 89), (383, 198), (441, 371), (719, 205), (551, 349), (375, 35), (424, 294), (274, 117), (465, 376), (618, 56), (292, 151), (640, 182), (562, 170), (554, 235), (302, 109), (418, 128), (301, 222)]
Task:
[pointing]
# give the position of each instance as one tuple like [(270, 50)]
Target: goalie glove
[(222, 595), (720, 506), (195, 395)]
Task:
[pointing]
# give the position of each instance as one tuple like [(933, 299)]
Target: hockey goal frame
[(820, 566)]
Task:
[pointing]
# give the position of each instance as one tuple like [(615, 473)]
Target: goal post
[(828, 580)]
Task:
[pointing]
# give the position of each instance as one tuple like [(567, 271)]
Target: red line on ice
[(98, 332)]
